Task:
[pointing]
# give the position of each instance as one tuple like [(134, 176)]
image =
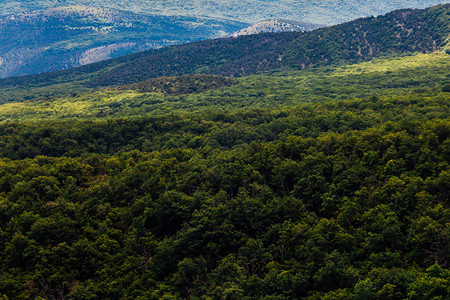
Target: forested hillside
[(326, 182), (398, 32), (416, 74), (403, 31), (65, 37), (276, 25), (250, 11), (331, 199)]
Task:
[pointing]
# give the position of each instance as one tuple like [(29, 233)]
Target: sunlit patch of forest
[(416, 76)]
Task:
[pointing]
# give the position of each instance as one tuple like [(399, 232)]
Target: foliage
[(186, 84), (330, 199), (362, 214), (403, 31), (325, 183), (215, 129), (61, 38), (421, 75)]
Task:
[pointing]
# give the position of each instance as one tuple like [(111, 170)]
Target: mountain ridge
[(250, 11), (276, 26), (60, 38), (399, 32)]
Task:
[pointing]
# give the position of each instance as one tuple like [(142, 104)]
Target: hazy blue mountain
[(251, 11), (64, 37)]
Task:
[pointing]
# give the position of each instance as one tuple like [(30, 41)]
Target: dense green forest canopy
[(330, 182), (358, 214), (330, 198)]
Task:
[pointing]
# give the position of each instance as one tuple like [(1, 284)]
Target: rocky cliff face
[(275, 26)]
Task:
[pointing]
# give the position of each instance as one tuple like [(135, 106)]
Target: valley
[(294, 165), (363, 39), (65, 37)]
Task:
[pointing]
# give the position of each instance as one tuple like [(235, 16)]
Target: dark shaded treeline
[(179, 85), (216, 129)]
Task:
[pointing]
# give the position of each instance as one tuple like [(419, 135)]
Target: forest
[(331, 199), (328, 182), (363, 214)]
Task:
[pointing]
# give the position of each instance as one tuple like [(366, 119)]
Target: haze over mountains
[(59, 38), (250, 11), (65, 34)]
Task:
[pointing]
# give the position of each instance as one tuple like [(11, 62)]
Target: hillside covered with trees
[(250, 11), (403, 31), (65, 37), (327, 182)]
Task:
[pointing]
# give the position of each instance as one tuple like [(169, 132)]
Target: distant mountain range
[(399, 32), (250, 11), (60, 38), (275, 26), (54, 38)]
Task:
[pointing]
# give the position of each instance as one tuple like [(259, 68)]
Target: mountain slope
[(65, 37), (403, 31), (275, 26), (397, 32), (251, 11), (387, 77)]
